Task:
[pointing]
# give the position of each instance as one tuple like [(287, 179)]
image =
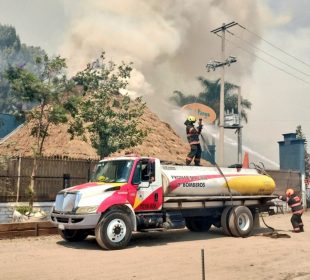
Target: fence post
[(203, 264), (18, 177), (88, 171), (66, 181)]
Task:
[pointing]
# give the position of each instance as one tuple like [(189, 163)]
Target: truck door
[(147, 180)]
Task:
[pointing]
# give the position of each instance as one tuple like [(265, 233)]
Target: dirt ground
[(164, 255)]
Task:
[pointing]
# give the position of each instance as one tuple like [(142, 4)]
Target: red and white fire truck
[(133, 193)]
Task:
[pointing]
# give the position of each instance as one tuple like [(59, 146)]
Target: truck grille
[(66, 220), (62, 220), (65, 202)]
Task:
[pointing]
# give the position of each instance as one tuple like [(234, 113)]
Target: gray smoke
[(169, 42)]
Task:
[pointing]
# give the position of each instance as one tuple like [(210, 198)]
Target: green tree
[(9, 43), (301, 135), (49, 92), (110, 118), (13, 52), (46, 91), (210, 96)]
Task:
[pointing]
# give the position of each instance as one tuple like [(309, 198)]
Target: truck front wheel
[(198, 224), (73, 235), (114, 230)]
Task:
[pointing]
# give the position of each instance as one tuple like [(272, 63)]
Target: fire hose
[(226, 181)]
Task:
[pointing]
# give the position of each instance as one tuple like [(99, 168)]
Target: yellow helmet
[(101, 178), (289, 192), (191, 119)]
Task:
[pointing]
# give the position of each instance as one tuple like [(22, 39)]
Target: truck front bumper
[(67, 221)]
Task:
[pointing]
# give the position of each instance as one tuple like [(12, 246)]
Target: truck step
[(152, 229)]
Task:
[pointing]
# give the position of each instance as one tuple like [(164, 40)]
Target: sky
[(170, 42)]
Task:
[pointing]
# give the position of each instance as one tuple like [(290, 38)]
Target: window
[(114, 171), (144, 171), (137, 175)]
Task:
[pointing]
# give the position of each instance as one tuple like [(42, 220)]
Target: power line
[(274, 57), (279, 68), (274, 46), (279, 120), (224, 27)]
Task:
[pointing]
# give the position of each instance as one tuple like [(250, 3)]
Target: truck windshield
[(114, 171)]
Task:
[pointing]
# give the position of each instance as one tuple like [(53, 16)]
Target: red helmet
[(289, 192)]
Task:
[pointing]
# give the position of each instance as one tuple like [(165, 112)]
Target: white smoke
[(169, 42)]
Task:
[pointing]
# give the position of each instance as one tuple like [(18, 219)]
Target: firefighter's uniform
[(295, 203), (193, 139)]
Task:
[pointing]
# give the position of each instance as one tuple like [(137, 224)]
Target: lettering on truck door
[(148, 184)]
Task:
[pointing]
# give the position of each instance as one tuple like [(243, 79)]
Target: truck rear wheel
[(114, 230), (73, 235), (224, 220), (198, 224), (240, 221)]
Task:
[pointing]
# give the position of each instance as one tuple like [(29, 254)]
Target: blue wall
[(7, 124), (292, 153)]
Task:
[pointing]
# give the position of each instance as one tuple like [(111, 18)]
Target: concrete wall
[(7, 209)]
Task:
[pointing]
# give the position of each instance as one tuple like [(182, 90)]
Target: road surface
[(164, 255)]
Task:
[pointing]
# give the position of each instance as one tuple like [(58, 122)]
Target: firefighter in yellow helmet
[(295, 202), (193, 139)]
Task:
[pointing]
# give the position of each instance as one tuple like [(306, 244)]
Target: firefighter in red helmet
[(193, 139), (295, 202)]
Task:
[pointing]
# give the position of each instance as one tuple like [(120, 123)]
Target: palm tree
[(210, 96)]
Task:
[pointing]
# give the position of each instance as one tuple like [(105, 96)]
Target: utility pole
[(213, 65), (239, 129)]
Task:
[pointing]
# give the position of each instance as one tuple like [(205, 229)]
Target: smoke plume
[(169, 42)]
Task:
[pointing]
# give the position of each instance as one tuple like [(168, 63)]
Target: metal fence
[(286, 179), (53, 174)]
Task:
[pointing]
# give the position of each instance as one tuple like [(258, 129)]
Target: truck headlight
[(86, 210)]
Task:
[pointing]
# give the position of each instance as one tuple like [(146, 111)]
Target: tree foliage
[(47, 91), (9, 38), (111, 119), (210, 96), (14, 53), (301, 135)]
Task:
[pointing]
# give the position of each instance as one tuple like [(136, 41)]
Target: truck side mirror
[(136, 182), (151, 178)]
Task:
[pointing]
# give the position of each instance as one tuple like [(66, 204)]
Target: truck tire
[(114, 230), (224, 220), (240, 221), (73, 235), (198, 224)]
